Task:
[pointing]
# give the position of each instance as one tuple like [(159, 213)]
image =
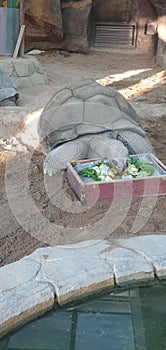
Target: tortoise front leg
[(58, 158)]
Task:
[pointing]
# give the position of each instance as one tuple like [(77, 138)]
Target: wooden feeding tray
[(90, 191)]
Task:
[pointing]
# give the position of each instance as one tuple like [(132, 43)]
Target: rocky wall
[(160, 8), (68, 24), (43, 22), (161, 48), (128, 11), (75, 17)]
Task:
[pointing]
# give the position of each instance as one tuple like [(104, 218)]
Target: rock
[(161, 49), (71, 272), (75, 17), (145, 110), (128, 266), (12, 120), (75, 271), (18, 273), (24, 303), (19, 126), (47, 23), (147, 247), (68, 24), (24, 71), (160, 6)]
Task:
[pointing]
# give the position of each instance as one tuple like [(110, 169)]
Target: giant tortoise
[(89, 120), (8, 91)]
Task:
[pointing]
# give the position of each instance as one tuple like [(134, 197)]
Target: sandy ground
[(139, 79)]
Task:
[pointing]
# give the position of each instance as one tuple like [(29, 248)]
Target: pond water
[(123, 320)]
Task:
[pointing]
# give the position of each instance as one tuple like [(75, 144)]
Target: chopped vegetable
[(89, 172), (134, 168)]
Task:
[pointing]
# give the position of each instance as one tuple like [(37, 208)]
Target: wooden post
[(19, 40), (22, 19)]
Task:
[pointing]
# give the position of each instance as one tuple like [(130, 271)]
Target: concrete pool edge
[(30, 286)]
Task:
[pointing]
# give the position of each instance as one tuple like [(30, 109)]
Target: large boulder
[(75, 16), (160, 8), (43, 23)]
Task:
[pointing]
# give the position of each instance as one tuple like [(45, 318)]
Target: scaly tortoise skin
[(89, 120)]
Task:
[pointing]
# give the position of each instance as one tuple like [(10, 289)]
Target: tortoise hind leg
[(58, 158), (134, 142)]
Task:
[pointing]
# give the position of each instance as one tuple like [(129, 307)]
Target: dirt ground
[(139, 79)]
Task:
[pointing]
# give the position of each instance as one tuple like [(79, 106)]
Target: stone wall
[(68, 24)]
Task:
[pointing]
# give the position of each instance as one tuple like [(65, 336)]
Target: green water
[(128, 320)]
